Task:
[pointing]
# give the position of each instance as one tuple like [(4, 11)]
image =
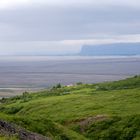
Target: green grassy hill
[(104, 111)]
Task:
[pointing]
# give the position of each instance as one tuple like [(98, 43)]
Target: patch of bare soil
[(87, 121)]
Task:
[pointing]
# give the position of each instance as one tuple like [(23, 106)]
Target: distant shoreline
[(41, 58)]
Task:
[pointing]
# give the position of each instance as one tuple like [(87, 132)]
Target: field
[(103, 111)]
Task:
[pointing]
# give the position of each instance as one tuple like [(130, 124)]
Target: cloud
[(11, 3), (38, 48), (64, 23), (60, 25), (5, 4)]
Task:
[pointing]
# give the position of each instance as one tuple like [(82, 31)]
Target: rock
[(23, 134)]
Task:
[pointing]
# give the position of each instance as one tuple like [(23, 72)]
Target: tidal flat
[(33, 73)]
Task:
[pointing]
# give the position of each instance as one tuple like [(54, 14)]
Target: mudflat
[(19, 74)]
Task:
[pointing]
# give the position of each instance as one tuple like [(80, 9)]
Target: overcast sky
[(56, 26)]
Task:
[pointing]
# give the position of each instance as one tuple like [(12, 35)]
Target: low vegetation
[(104, 111), (8, 137)]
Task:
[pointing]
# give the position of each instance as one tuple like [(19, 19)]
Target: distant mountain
[(119, 49)]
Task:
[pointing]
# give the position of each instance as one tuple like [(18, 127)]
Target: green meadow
[(104, 111)]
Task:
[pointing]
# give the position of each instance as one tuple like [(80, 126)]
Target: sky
[(62, 27)]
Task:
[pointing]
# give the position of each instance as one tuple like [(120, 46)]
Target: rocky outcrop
[(11, 129)]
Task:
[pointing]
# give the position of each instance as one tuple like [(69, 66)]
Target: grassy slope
[(7, 138), (59, 113)]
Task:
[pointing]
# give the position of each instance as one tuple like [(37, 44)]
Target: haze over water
[(41, 71), (33, 73)]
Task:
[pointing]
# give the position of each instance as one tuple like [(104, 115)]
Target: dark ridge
[(116, 49)]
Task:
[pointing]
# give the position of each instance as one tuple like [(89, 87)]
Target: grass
[(8, 137), (59, 112)]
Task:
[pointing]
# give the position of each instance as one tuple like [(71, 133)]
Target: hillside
[(104, 111), (116, 49)]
